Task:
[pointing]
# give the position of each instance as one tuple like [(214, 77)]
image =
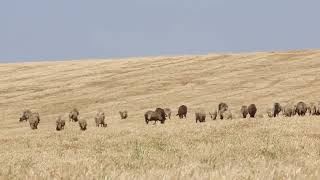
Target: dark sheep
[(252, 109), (153, 116), (222, 107), (318, 109), (182, 111), (73, 115), (33, 121), (276, 109), (83, 124), (244, 111), (37, 116), (301, 108), (161, 112), (60, 123)]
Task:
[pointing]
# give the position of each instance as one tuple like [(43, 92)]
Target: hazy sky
[(35, 30)]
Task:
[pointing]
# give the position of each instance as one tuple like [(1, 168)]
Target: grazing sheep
[(37, 116), (294, 110), (60, 123), (25, 115), (318, 109), (226, 114), (276, 109), (168, 112), (33, 121), (73, 115), (312, 109), (301, 108), (182, 111), (244, 111), (161, 112), (270, 112), (200, 116), (83, 124), (99, 119), (309, 108), (222, 107), (214, 114), (287, 110), (123, 114), (153, 116), (252, 109)]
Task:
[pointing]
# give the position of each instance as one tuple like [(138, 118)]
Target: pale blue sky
[(35, 30)]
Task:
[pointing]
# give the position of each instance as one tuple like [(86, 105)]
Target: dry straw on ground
[(280, 148)]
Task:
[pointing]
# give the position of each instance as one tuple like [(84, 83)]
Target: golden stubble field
[(279, 148)]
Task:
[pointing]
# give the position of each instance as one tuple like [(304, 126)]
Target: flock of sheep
[(34, 119), (222, 112)]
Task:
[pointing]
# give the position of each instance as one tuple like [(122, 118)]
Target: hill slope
[(129, 148), (140, 84)]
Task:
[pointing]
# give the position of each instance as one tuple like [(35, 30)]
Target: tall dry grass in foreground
[(280, 148)]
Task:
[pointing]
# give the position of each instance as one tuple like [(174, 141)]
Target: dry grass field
[(277, 148)]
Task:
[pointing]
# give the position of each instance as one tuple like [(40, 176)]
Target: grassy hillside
[(265, 148)]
